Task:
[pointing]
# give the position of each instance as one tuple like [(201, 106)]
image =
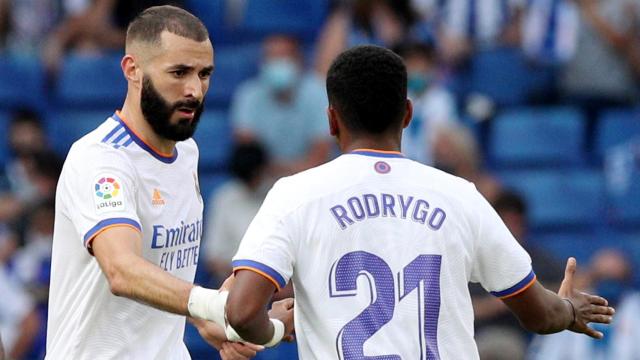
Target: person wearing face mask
[(610, 274), (284, 108), (433, 104)]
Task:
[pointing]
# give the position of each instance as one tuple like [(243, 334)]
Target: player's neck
[(382, 144), (134, 118)]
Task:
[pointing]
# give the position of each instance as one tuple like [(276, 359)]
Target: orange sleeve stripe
[(530, 284), (265, 275), (90, 240)]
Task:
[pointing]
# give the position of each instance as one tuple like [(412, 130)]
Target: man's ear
[(408, 115), (334, 129), (131, 70)]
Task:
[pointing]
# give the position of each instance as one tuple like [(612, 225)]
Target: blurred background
[(535, 101)]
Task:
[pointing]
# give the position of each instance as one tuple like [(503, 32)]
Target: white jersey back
[(380, 250), (112, 178)]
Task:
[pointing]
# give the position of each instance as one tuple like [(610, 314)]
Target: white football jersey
[(380, 250), (112, 178)]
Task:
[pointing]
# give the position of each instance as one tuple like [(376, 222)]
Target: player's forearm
[(136, 278), (557, 315), (254, 328)]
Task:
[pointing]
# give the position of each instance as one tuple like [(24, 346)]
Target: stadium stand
[(537, 137), (22, 83), (90, 81)]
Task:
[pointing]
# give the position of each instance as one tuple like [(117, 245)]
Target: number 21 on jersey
[(422, 274)]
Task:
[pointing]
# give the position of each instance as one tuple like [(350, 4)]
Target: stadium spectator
[(550, 31), (26, 138), (19, 320), (381, 22), (29, 259), (233, 207), (284, 108), (8, 243), (93, 26), (470, 25), (610, 274), (432, 103), (456, 151), (600, 74), (25, 24)]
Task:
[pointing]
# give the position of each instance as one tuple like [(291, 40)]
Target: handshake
[(239, 332)]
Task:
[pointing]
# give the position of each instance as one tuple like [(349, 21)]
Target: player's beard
[(158, 112)]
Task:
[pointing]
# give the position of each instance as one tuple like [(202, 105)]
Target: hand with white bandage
[(283, 311)]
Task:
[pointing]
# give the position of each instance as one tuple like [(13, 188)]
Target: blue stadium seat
[(21, 83), (65, 127), (560, 199), (234, 64), (579, 244), (616, 126), (87, 81), (623, 201), (301, 17), (501, 74), (214, 15), (537, 137), (214, 140)]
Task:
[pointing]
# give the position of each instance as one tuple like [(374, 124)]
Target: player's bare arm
[(247, 309), (118, 251), (544, 312)]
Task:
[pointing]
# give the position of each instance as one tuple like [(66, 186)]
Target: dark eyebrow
[(208, 69), (180, 67)]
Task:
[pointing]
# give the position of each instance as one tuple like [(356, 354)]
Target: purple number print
[(424, 270), (423, 274), (346, 271)]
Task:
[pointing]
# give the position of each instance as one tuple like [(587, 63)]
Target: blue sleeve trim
[(109, 222), (262, 268), (517, 287)]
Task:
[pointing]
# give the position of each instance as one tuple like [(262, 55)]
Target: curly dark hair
[(367, 85)]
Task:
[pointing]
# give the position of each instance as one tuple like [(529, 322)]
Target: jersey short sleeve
[(100, 192), (267, 246), (500, 264)]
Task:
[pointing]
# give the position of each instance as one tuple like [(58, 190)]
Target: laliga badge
[(107, 194)]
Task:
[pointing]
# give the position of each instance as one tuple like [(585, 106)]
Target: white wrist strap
[(278, 333), (208, 304)]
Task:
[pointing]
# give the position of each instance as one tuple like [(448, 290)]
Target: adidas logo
[(157, 199)]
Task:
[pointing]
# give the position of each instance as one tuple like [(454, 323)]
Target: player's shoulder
[(313, 183), (106, 143)]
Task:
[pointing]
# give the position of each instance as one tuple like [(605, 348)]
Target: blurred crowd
[(581, 53)]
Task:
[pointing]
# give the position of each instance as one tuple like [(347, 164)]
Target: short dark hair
[(509, 200), (26, 116), (247, 160), (367, 85), (150, 23)]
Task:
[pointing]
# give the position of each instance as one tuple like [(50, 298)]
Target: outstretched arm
[(544, 312), (119, 253)]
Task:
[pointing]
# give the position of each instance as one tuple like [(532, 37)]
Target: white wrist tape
[(208, 304), (278, 333)]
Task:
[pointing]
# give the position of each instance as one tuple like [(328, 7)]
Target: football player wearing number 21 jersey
[(380, 249)]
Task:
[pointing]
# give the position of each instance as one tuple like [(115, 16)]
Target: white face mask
[(280, 74)]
